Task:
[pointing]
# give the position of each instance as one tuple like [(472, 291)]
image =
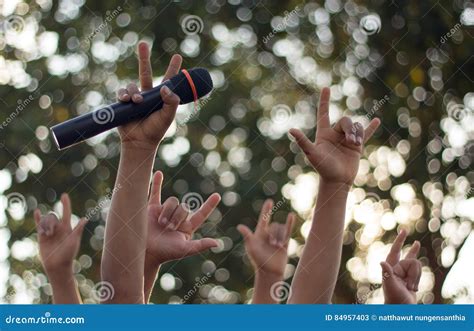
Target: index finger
[(66, 209), (323, 109), (155, 194), (393, 256), (144, 66)]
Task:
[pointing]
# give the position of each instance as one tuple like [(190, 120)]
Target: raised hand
[(124, 251), (335, 155), (148, 133), (58, 246), (336, 151), (171, 226), (267, 247), (400, 278), (58, 241)]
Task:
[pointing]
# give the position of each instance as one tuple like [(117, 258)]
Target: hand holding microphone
[(156, 106)]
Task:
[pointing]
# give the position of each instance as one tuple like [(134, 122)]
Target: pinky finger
[(79, 228), (370, 130)]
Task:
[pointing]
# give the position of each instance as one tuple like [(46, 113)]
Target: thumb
[(197, 246), (302, 141), (170, 103)]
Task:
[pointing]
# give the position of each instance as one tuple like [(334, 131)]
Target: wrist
[(400, 301), (138, 148), (269, 276), (334, 189), (152, 263), (267, 288), (61, 272)]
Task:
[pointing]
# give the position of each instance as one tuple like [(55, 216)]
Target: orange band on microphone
[(193, 87)]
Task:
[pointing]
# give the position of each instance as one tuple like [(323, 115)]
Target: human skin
[(171, 227), (267, 249), (58, 247), (123, 257), (400, 278), (335, 155)]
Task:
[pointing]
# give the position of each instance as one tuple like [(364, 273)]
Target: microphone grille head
[(202, 82)]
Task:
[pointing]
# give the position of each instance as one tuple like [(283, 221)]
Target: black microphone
[(88, 125)]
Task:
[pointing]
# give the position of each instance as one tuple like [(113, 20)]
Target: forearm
[(150, 273), (263, 292), (316, 274), (64, 286), (126, 229)]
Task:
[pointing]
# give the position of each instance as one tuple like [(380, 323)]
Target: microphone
[(188, 85)]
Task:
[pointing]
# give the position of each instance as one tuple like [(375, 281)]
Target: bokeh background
[(408, 62)]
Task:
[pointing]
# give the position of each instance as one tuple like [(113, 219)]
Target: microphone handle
[(88, 125)]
